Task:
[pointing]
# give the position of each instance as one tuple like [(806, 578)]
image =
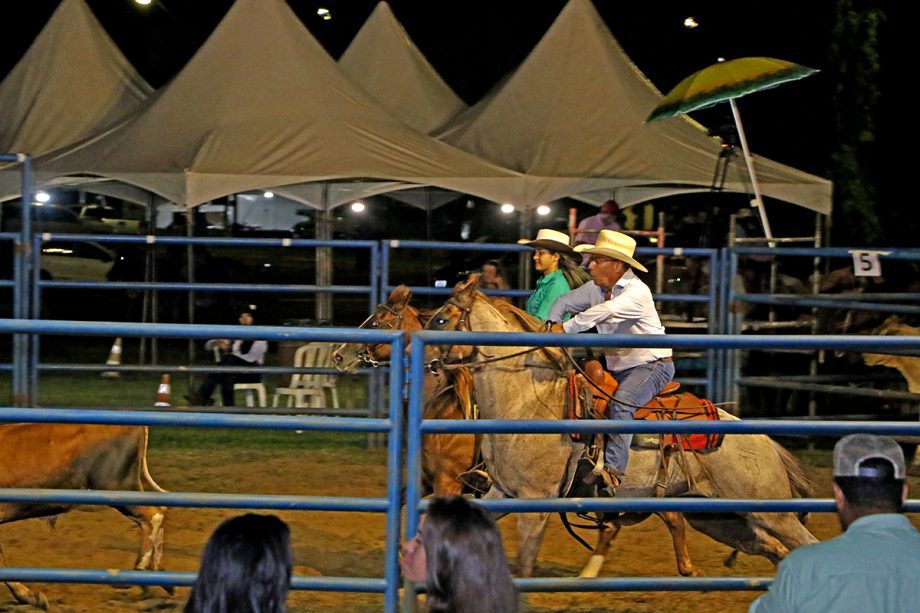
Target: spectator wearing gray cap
[(875, 564)]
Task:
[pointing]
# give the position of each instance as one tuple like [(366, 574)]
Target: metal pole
[(324, 258), (758, 201), (394, 474), (190, 257), (36, 314)]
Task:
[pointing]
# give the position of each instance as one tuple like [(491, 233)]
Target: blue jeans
[(637, 386)]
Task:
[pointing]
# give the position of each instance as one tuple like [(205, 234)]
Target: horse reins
[(365, 354)]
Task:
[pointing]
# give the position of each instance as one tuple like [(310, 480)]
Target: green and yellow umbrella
[(727, 81)]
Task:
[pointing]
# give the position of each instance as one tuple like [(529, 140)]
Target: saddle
[(589, 394)]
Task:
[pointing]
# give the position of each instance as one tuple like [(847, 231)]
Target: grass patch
[(168, 438)]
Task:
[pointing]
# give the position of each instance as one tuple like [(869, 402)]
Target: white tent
[(384, 61), (571, 118), (260, 105), (73, 82)]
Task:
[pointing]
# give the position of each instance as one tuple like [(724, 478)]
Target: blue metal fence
[(418, 426), (391, 425)]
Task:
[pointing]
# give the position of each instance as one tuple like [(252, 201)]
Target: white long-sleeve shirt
[(630, 310)]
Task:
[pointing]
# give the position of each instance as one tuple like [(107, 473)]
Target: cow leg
[(737, 533), (150, 520), (23, 594), (678, 529), (605, 536)]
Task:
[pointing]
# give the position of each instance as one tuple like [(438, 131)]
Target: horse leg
[(23, 594), (605, 536), (531, 527), (736, 532), (678, 529)]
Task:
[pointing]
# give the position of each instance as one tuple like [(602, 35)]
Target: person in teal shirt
[(560, 267)]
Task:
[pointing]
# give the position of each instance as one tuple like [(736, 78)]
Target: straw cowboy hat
[(614, 245), (553, 240)]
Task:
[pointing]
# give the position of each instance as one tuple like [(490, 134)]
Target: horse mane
[(529, 323)]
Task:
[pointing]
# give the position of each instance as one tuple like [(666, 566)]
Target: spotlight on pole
[(358, 207), (507, 208), (543, 210)]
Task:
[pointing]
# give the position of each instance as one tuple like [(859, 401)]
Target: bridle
[(366, 353)]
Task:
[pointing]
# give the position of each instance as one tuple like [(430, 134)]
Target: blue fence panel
[(390, 505), (418, 426)]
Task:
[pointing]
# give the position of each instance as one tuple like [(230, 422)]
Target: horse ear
[(400, 295), (466, 287)]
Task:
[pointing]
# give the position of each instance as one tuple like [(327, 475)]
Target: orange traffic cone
[(114, 360), (163, 392)]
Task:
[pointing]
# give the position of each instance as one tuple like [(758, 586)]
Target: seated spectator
[(875, 563), (242, 353), (245, 568), (458, 554)]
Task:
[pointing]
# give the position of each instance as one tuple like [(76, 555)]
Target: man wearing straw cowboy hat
[(618, 302)]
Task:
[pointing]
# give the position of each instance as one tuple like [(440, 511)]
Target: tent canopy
[(571, 118), (261, 105), (384, 61), (73, 82)]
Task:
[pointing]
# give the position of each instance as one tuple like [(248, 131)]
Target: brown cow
[(65, 456)]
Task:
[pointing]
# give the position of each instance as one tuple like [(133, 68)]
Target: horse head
[(892, 326), (454, 316), (396, 314)]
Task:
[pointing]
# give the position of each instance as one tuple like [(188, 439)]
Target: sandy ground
[(342, 544)]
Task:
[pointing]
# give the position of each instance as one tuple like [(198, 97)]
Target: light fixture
[(720, 59), (325, 13), (42, 197), (358, 207), (690, 23), (143, 2), (268, 195), (507, 208), (543, 210)]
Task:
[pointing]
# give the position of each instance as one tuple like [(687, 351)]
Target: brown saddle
[(589, 400)]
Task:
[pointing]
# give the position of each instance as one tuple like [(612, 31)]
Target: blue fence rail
[(392, 426), (418, 427)]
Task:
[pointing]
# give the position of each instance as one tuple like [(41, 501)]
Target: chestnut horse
[(444, 456), (530, 385)]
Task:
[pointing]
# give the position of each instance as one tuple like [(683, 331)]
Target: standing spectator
[(875, 564), (606, 219), (493, 278), (245, 568), (458, 554), (242, 353), (559, 264)]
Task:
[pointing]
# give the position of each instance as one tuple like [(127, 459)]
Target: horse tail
[(802, 486)]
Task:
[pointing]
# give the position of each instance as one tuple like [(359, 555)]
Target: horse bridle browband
[(365, 354)]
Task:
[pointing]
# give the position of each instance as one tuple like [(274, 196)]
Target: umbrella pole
[(758, 201)]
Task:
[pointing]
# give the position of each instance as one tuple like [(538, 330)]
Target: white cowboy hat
[(554, 240), (614, 245)]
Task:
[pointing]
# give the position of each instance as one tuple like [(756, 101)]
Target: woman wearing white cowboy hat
[(618, 302), (560, 267)]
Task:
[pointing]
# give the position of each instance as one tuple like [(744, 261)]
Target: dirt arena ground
[(339, 544)]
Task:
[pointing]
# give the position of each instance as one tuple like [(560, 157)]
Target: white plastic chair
[(309, 390), (253, 390)]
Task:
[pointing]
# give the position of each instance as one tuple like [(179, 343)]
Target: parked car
[(75, 261), (51, 218), (111, 218)]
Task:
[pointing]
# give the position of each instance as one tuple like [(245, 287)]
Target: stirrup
[(608, 482), (476, 480)]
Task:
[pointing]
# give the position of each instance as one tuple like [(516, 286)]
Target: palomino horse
[(444, 456), (531, 386)]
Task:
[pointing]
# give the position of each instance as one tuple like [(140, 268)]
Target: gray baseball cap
[(851, 451)]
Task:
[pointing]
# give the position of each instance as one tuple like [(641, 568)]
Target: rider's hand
[(556, 328)]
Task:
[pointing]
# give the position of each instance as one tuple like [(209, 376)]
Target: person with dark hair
[(458, 554), (875, 564), (493, 278), (241, 353), (561, 269), (245, 567)]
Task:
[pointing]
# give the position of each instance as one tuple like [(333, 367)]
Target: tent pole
[(758, 200), (324, 259)]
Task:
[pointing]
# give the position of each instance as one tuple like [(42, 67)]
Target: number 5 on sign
[(866, 264)]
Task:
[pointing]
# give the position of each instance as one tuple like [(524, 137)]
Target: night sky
[(474, 43)]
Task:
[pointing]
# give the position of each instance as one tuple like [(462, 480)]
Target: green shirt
[(873, 566), (549, 288)]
